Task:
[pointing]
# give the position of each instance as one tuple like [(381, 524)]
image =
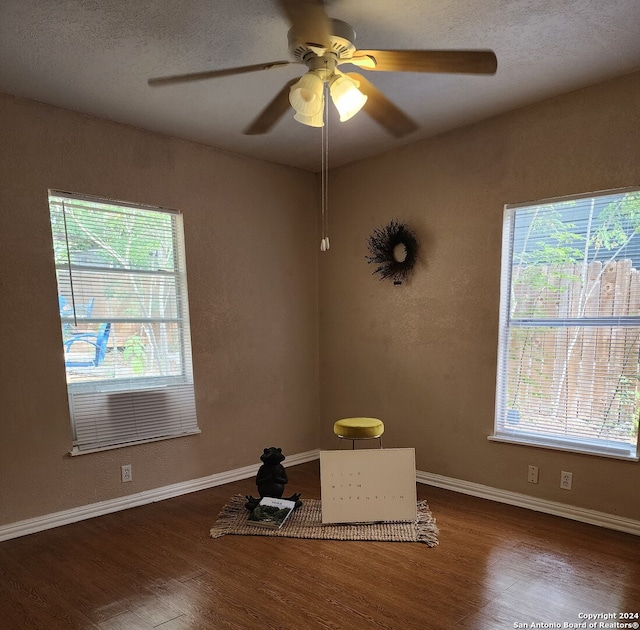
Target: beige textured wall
[(251, 236), (422, 356)]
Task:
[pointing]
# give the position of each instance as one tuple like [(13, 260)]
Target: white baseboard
[(49, 521), (602, 519)]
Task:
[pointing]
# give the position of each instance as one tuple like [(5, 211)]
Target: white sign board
[(368, 485)]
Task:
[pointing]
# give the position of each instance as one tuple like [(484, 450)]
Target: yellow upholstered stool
[(359, 429)]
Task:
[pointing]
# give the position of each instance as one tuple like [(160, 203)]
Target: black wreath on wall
[(394, 248)]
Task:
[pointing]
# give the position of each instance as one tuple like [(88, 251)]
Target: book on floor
[(271, 512)]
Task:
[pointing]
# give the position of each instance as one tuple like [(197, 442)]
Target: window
[(568, 366), (122, 295)]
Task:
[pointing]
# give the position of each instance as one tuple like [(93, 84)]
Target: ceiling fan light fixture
[(317, 120), (306, 96), (347, 98)]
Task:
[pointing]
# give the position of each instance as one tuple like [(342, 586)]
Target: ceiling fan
[(323, 44)]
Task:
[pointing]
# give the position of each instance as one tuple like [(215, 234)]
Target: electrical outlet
[(566, 479), (126, 473), (533, 474)]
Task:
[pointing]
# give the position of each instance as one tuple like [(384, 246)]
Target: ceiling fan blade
[(309, 21), (382, 110), (364, 61), (272, 113), (464, 61), (214, 74)]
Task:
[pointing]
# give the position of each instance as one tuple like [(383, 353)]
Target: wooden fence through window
[(580, 379)]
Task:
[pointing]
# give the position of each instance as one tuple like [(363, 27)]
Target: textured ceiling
[(95, 56)]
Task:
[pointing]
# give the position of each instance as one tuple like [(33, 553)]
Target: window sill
[(75, 451), (566, 446)]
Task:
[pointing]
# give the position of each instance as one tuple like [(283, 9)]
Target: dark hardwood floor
[(155, 567)]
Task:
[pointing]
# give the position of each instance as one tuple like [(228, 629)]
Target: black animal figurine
[(271, 478)]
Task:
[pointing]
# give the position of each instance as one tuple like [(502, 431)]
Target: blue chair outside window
[(85, 310), (82, 310), (67, 310), (97, 348)]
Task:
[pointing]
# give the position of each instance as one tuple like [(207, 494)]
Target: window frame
[(507, 323), (138, 387)]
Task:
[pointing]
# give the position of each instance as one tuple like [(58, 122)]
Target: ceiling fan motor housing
[(342, 41)]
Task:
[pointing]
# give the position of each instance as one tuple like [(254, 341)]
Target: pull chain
[(324, 176), (66, 241)]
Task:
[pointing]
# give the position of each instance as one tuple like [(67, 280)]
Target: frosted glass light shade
[(306, 95), (317, 120), (347, 98)]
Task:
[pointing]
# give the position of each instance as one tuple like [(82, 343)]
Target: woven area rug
[(306, 522)]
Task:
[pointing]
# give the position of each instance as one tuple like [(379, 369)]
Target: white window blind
[(569, 368), (122, 295)]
